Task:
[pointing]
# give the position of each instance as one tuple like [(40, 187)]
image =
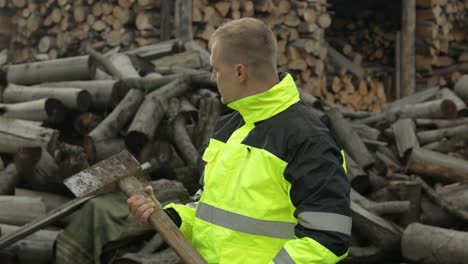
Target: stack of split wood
[(407, 166), (60, 28), (59, 116), (360, 60), (298, 25), (442, 41)]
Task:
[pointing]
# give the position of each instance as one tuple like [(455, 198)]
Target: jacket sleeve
[(183, 216), (320, 192)]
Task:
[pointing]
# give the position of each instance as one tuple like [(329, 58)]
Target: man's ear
[(241, 72)]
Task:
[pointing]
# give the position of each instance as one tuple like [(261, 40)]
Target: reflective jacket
[(275, 186)]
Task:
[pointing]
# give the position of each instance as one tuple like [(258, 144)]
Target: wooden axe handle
[(164, 224)]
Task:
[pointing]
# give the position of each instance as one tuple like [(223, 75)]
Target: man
[(275, 185)]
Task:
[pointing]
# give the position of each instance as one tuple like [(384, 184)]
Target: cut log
[(151, 112), (180, 135), (341, 61), (155, 51), (455, 194), (441, 123), (100, 90), (448, 94), (446, 146), (103, 149), (379, 231), (72, 98), (458, 132), (17, 210), (461, 87), (51, 201), (67, 69), (441, 108), (8, 180), (48, 110), (436, 165), (122, 113), (348, 138), (418, 97), (426, 244), (146, 85), (37, 248), (37, 169), (209, 110), (405, 136), (17, 134)]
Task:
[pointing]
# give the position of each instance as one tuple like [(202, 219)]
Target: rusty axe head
[(104, 174)]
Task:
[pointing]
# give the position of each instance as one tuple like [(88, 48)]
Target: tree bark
[(443, 167), (66, 69), (72, 98), (427, 244), (446, 146)]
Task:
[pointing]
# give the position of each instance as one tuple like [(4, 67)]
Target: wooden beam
[(183, 20), (408, 70)]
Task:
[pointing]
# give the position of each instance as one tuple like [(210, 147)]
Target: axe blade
[(102, 174)]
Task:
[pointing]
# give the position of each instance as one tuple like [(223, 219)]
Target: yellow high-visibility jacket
[(275, 186)]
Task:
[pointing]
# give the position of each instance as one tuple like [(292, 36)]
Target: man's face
[(225, 75)]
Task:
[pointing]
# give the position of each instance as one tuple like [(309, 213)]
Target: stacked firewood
[(298, 25), (442, 41), (60, 28), (360, 59)]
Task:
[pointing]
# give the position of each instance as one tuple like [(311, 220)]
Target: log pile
[(57, 118), (442, 41), (360, 58), (61, 28), (407, 167), (299, 27)]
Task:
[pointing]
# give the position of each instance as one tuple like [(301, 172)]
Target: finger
[(148, 188), (136, 204), (142, 209), (146, 214), (134, 198)]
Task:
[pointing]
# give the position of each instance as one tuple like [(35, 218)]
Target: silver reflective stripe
[(283, 258), (326, 222), (243, 223)]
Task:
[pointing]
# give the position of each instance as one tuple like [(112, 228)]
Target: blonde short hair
[(248, 41)]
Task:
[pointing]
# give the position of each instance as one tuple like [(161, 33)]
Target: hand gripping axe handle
[(124, 169)]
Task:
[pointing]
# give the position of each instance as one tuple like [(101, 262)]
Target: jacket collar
[(264, 105)]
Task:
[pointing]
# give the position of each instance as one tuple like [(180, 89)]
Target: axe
[(124, 169)]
